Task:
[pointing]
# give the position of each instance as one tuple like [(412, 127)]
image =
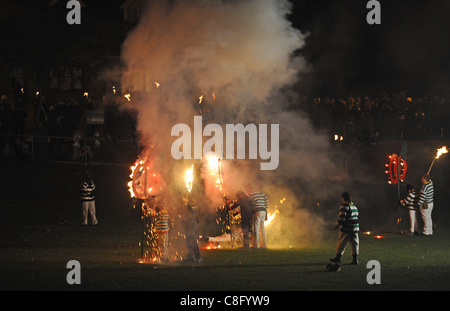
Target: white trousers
[(344, 238), (413, 221), (260, 230), (427, 221), (89, 206)]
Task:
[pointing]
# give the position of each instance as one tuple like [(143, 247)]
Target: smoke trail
[(231, 62)]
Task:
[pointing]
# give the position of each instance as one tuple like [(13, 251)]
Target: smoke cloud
[(239, 57)]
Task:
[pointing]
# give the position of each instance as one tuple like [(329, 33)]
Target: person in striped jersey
[(260, 203), (88, 199), (410, 202), (162, 229), (426, 204), (349, 229)]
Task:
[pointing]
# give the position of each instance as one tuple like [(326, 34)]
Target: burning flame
[(130, 183), (213, 167), (157, 84), (441, 152), (271, 217), (200, 99), (127, 96), (143, 181), (189, 177)]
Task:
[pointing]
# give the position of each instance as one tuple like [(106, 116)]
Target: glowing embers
[(374, 236)]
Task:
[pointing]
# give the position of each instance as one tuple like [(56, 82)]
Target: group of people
[(348, 218), (367, 120), (421, 201), (253, 207)]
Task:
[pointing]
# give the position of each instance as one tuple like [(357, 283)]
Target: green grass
[(36, 260), (40, 232)]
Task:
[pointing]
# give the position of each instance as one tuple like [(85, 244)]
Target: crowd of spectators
[(58, 131), (366, 120)]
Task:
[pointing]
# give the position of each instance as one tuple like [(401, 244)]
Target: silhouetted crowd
[(366, 120), (354, 119), (50, 131)]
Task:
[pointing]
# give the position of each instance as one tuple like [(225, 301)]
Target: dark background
[(409, 50)]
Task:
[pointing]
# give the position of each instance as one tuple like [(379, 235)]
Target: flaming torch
[(440, 152), (189, 178)]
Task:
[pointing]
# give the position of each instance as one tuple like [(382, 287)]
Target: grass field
[(40, 231), (34, 257)]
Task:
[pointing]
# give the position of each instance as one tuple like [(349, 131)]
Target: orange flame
[(189, 177), (214, 169), (441, 152), (130, 183), (270, 217)]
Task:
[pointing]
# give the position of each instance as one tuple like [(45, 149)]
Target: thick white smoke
[(240, 55)]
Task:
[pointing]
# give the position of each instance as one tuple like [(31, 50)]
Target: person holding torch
[(426, 204)]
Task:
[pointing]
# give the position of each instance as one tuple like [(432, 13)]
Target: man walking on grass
[(349, 228)]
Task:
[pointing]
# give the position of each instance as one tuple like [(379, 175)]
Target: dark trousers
[(191, 241)]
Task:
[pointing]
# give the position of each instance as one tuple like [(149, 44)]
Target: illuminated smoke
[(231, 62)]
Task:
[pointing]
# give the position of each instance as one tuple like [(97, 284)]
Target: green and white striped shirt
[(348, 218)]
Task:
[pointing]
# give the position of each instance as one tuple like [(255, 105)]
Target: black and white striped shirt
[(259, 202), (426, 194), (87, 190), (410, 201)]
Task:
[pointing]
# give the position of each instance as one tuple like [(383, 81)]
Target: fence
[(85, 150)]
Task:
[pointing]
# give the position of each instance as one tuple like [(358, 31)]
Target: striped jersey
[(162, 223), (348, 218), (426, 194), (410, 201), (259, 202), (87, 190)]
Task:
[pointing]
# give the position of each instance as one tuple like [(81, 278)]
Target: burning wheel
[(145, 182), (397, 168)]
